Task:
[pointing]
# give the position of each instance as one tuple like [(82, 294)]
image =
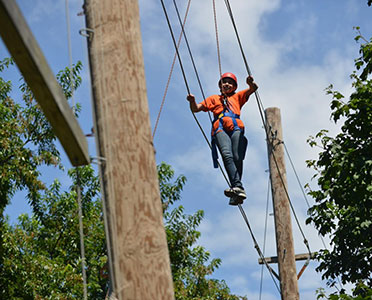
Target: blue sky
[(295, 49)]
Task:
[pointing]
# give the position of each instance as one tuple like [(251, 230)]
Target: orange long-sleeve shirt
[(215, 104)]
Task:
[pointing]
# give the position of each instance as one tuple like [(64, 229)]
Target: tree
[(191, 265), (27, 140), (343, 206), (42, 257)]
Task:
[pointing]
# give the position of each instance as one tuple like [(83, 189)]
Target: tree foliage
[(190, 263), (343, 206), (42, 253), (40, 256), (27, 140)]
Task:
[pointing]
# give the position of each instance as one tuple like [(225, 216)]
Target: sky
[(295, 50)]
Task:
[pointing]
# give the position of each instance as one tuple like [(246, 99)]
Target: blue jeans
[(232, 146)]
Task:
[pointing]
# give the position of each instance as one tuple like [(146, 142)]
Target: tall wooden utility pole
[(282, 214), (139, 259)]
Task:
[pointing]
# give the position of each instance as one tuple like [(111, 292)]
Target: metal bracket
[(87, 32)]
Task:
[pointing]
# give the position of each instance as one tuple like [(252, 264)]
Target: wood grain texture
[(30, 60), (282, 214), (138, 248)]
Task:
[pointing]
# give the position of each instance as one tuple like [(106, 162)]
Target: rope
[(257, 247), (260, 106), (109, 230), (205, 137), (289, 199), (81, 233), (217, 40), (70, 54), (265, 231), (259, 102), (175, 46), (308, 205), (185, 80), (171, 71), (190, 54), (78, 189)]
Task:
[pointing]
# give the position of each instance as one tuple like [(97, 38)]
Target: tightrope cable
[(257, 246), (259, 102), (188, 90), (265, 231)]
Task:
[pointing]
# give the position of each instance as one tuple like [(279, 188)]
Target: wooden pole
[(282, 215), (139, 259)]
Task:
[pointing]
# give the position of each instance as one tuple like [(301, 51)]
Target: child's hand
[(190, 98), (250, 80), (251, 83)]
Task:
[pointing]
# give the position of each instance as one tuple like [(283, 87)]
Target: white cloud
[(295, 49), (292, 64)]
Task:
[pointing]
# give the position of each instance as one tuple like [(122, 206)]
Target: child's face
[(227, 85)]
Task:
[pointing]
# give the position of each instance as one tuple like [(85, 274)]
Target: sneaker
[(235, 200), (239, 192), (229, 193)]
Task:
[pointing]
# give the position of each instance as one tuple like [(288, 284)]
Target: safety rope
[(265, 232), (260, 106), (259, 102), (308, 205), (78, 189), (290, 202), (171, 71), (256, 246), (186, 83), (81, 233), (205, 137), (71, 75), (217, 39), (190, 54), (110, 231)]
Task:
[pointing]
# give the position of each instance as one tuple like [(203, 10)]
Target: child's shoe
[(235, 200), (235, 191), (239, 192)]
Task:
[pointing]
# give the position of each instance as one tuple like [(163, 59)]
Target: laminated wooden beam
[(30, 60)]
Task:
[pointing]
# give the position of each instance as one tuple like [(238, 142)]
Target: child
[(228, 129)]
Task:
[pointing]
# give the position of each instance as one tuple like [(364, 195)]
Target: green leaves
[(343, 206), (41, 254), (27, 140), (191, 264)]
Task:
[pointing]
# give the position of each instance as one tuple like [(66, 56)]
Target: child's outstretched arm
[(195, 107), (252, 85)]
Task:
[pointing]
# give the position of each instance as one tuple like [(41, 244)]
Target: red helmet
[(228, 75)]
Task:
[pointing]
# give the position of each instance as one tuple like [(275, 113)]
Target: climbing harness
[(234, 117), (226, 113), (205, 137)]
